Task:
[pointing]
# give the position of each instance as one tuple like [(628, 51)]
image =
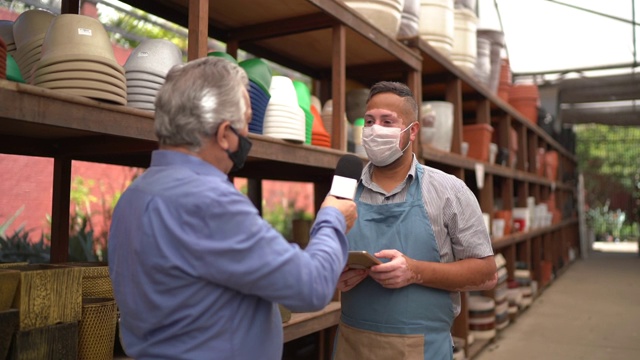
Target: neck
[(388, 177)]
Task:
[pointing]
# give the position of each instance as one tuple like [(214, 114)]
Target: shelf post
[(338, 78), (198, 28), (60, 209), (454, 96), (414, 82)]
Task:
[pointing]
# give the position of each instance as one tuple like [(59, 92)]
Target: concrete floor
[(591, 312)]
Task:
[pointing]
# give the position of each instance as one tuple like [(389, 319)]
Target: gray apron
[(413, 322)]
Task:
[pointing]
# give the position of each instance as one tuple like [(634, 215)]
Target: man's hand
[(396, 273), (350, 278), (348, 209)]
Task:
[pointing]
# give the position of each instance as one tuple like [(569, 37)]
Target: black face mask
[(239, 156)]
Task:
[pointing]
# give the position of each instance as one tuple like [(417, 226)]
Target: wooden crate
[(48, 295), (55, 342)]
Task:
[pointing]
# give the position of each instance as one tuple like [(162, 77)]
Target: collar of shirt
[(368, 182), (175, 158)]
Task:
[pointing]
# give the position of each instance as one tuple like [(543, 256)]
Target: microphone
[(345, 179)]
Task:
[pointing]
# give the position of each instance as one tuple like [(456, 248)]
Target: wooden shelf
[(302, 324), (47, 123), (523, 236), (431, 154)]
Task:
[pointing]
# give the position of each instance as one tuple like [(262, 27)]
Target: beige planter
[(383, 14), (437, 24)]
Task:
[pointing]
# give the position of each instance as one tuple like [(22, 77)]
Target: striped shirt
[(452, 208)]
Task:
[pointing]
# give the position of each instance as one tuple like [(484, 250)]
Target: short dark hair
[(399, 89)]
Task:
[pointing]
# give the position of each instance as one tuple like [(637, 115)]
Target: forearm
[(463, 275)]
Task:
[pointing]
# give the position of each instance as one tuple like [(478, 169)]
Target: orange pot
[(524, 98), (551, 165), (478, 136)]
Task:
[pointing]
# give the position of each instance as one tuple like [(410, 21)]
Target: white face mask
[(382, 144)]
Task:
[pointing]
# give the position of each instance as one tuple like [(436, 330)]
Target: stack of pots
[(3, 60), (437, 24), (482, 70), (12, 70), (77, 59), (6, 34), (464, 50), (284, 118), (410, 19), (259, 75), (29, 31), (304, 101), (504, 80), (524, 98), (319, 135), (146, 70), (496, 39), (500, 293), (384, 14), (482, 317)]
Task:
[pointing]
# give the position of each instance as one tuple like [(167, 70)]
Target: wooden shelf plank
[(43, 122), (505, 241), (302, 324), (431, 154)]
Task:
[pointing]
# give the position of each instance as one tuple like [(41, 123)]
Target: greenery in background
[(17, 247), (84, 243), (609, 158), (281, 217), (128, 30)]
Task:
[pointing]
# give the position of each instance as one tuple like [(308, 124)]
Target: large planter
[(464, 50), (97, 329), (437, 24), (384, 14), (96, 282)]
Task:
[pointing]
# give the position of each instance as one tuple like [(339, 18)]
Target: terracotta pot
[(524, 98), (551, 165), (479, 137)]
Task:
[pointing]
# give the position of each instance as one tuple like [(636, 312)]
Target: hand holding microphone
[(343, 188)]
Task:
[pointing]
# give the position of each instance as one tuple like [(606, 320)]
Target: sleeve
[(239, 250), (465, 224)]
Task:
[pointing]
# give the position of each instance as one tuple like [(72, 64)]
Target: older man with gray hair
[(196, 271)]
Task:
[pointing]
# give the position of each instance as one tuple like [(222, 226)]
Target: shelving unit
[(329, 42)]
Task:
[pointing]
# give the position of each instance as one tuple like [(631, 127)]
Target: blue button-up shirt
[(197, 272)]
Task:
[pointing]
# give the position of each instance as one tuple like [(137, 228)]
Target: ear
[(415, 128), (221, 135)]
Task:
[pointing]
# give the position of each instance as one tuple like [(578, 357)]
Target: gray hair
[(196, 98), (399, 89)]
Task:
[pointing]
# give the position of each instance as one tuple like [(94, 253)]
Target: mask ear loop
[(409, 143)]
